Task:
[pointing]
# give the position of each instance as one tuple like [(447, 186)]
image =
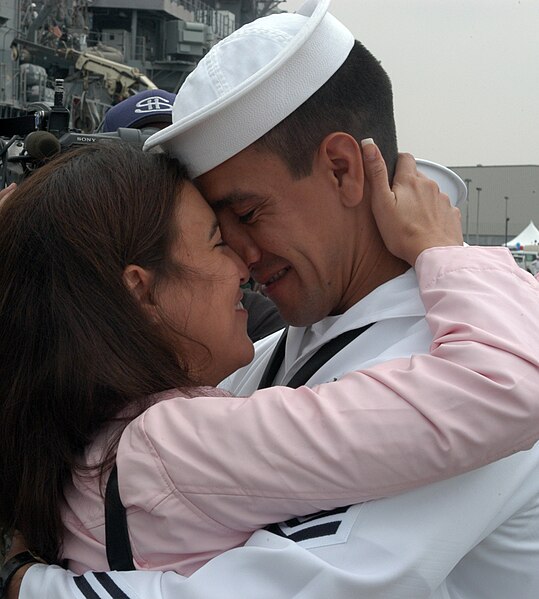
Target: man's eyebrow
[(235, 197)]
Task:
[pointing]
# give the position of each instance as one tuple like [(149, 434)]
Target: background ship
[(106, 50)]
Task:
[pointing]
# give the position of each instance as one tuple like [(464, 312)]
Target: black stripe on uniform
[(312, 532), (293, 522), (85, 588), (110, 586)]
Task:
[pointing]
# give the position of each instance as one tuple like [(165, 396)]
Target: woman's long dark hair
[(75, 347)]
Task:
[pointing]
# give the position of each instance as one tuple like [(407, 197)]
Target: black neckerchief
[(313, 364)]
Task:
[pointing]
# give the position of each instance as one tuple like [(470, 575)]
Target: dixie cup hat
[(251, 81), (448, 181)]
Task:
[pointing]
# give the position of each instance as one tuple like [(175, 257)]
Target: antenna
[(59, 115), (58, 93)]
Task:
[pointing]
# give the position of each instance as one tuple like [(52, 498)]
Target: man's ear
[(340, 154), (139, 282)]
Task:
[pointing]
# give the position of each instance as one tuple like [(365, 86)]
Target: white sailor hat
[(256, 77), (250, 81), (448, 181)]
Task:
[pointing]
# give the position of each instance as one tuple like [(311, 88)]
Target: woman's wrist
[(13, 571)]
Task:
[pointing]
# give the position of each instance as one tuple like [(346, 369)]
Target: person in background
[(149, 109)]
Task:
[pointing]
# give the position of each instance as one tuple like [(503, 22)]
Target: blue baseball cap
[(142, 109)]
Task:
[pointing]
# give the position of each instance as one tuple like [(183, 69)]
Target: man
[(300, 216)]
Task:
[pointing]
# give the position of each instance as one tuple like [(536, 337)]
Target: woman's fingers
[(6, 192), (413, 214)]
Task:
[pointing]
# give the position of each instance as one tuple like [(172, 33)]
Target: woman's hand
[(413, 215)]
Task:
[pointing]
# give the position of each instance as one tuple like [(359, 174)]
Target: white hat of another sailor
[(250, 81)]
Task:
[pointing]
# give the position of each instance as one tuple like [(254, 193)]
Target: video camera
[(26, 142)]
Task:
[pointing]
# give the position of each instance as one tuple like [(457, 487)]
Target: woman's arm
[(402, 424), (249, 461)]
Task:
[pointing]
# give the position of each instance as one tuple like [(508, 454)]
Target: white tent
[(529, 236)]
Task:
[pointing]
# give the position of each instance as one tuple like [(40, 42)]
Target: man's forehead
[(219, 190), (232, 177)]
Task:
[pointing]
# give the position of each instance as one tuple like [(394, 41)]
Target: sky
[(465, 74)]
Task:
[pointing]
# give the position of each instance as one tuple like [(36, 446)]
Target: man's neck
[(371, 271)]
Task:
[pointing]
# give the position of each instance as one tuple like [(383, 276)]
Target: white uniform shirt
[(483, 525)]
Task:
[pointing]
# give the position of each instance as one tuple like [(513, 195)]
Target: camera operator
[(27, 142)]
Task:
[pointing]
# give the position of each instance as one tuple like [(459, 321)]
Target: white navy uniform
[(475, 536)]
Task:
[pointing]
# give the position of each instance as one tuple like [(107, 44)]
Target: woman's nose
[(243, 271)]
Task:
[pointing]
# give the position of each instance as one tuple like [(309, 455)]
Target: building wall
[(520, 184)]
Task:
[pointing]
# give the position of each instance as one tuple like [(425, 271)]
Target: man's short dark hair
[(357, 99)]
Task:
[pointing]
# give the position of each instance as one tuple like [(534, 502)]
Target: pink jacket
[(199, 475)]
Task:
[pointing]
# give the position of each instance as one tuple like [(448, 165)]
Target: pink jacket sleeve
[(241, 463)]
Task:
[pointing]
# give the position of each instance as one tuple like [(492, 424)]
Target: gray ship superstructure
[(105, 50)]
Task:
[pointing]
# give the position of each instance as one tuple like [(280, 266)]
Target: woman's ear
[(342, 156), (139, 282)]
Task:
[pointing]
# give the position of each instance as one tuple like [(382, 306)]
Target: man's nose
[(243, 244)]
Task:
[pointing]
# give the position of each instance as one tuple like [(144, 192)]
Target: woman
[(115, 288)]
